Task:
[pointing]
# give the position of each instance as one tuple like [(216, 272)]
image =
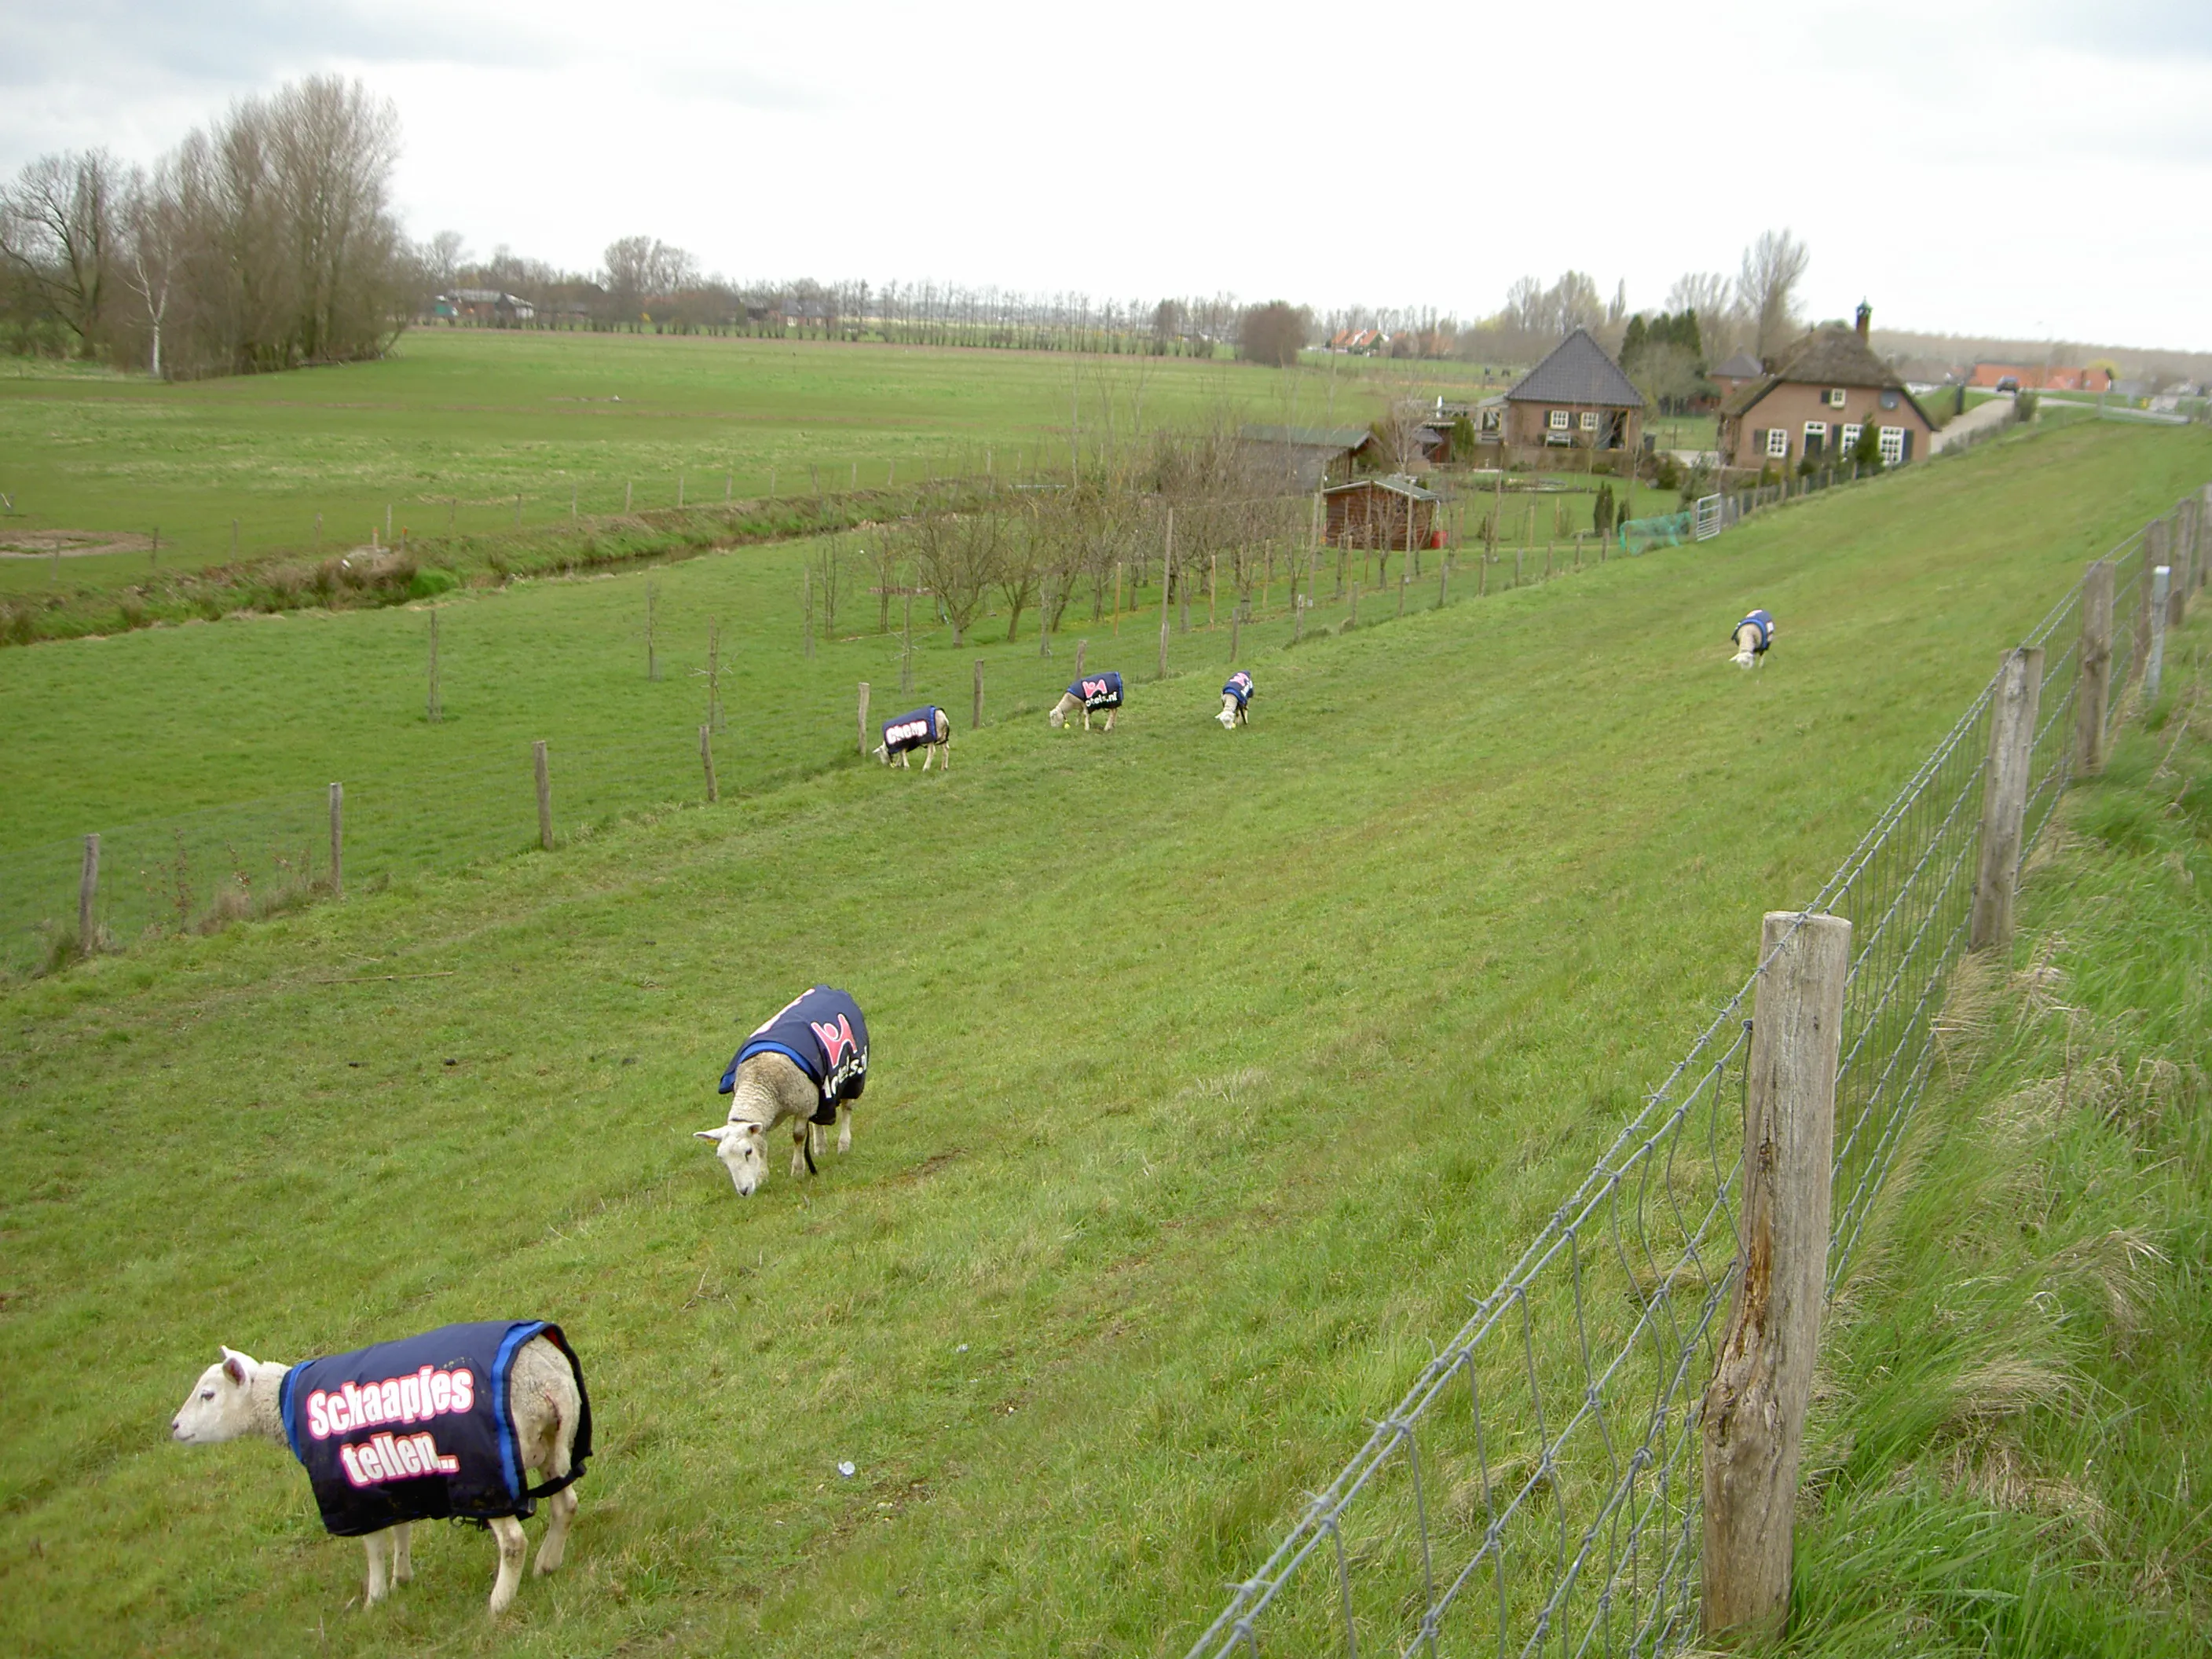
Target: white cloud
[(1973, 164)]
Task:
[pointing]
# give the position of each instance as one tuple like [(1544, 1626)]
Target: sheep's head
[(1228, 715), (218, 1407), (1058, 716), (883, 753), (739, 1147), (1744, 659)]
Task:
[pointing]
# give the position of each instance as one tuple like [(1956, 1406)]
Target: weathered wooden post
[(2094, 688), (2004, 796), (1351, 616), (976, 722), (88, 889), (434, 708), (1162, 672), (1081, 645), (544, 794), (2161, 594), (864, 719), (1443, 579), (337, 841), (1235, 632), (2177, 599), (1754, 1407), (2153, 554), (810, 609), (1403, 579), (707, 760)]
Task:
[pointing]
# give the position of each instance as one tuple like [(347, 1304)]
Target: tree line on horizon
[(267, 240)]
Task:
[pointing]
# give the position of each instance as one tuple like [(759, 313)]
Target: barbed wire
[(1539, 1487)]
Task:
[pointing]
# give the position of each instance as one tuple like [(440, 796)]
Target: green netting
[(1641, 535)]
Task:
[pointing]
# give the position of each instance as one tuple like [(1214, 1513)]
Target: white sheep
[(1234, 697), (929, 729), (1092, 691), (808, 1064), (1752, 636), (372, 1486)]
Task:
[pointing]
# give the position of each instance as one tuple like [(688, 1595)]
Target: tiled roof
[(1577, 371)]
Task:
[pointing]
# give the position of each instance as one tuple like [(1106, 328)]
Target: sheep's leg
[(402, 1560), (844, 1127), (928, 756), (560, 1509), (373, 1543), (512, 1546), (799, 1148), (1111, 715)]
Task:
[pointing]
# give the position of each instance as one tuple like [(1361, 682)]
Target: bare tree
[(443, 258), (1767, 286), (1274, 333), (956, 554), (58, 236), (155, 243)]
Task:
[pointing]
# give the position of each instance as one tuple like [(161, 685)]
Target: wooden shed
[(1381, 513)]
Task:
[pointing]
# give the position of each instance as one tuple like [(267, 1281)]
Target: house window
[(1850, 441), (1893, 445), (1778, 443), (1590, 420), (1816, 439), (1835, 397), (1559, 420)]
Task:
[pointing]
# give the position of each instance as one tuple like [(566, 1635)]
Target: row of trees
[(265, 241), (1046, 552)]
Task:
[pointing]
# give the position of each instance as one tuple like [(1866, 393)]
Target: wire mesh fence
[(1538, 1489)]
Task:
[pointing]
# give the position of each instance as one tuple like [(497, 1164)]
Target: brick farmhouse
[(1829, 388), (1572, 406)]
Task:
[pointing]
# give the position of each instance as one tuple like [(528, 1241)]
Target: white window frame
[(1559, 420), (1850, 441), (1778, 443), (1590, 420), (1836, 395), (1893, 446), (1816, 429)]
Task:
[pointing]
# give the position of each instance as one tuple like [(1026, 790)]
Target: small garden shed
[(1381, 513)]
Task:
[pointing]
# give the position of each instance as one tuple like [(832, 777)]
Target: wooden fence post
[(707, 760), (2161, 594), (864, 720), (337, 841), (544, 794), (2094, 688), (88, 889), (2178, 590), (1443, 579), (976, 723), (1352, 617), (2153, 554), (1754, 1408), (1081, 645), (810, 609), (436, 708), (1235, 632), (1163, 674), (2004, 796)]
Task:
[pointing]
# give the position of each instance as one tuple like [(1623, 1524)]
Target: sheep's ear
[(710, 1134), (236, 1365)]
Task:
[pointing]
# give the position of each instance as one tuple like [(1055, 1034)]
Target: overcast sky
[(2032, 167)]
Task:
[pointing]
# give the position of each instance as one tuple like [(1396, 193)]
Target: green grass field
[(1214, 1072), (458, 423)]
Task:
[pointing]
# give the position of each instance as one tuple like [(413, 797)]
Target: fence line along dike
[(1602, 1458)]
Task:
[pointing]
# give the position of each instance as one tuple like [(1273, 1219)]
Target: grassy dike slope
[(1215, 1073), (2014, 1417)]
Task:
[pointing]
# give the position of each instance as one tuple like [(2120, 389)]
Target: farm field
[(458, 423), (1213, 1072)]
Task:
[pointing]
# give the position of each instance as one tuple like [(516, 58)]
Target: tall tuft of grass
[(2014, 1417)]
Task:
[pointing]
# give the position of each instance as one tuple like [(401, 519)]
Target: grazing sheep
[(1234, 697), (450, 1423), (1752, 637), (808, 1062), (1092, 691), (929, 728)]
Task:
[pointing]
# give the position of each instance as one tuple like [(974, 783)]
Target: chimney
[(1865, 315)]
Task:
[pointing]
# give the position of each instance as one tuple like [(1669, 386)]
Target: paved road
[(1996, 412)]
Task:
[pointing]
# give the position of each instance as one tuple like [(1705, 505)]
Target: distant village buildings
[(2023, 377)]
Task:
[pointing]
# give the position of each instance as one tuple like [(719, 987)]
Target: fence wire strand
[(1561, 1422)]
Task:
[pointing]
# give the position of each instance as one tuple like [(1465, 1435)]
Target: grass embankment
[(2014, 1422), (1213, 1073)]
